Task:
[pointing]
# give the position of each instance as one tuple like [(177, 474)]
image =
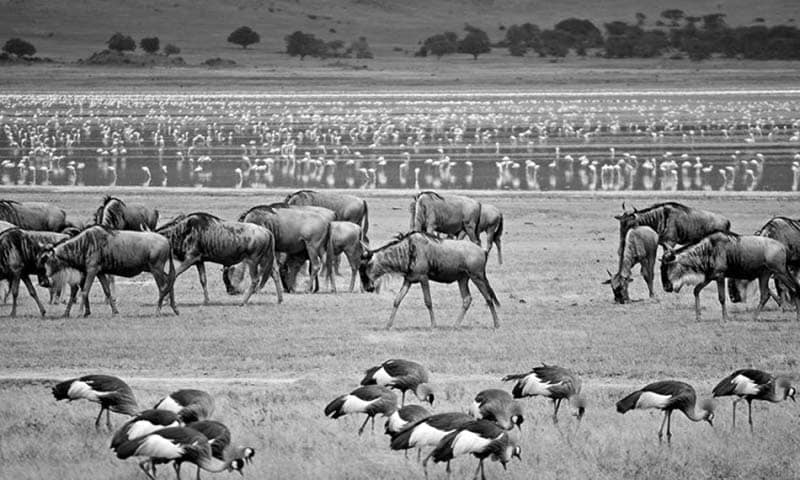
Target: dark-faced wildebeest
[(641, 244), (34, 216), (297, 230), (420, 258), (201, 237), (98, 251), (346, 238), (433, 213), (19, 251), (721, 255), (675, 223), (118, 215), (347, 208)]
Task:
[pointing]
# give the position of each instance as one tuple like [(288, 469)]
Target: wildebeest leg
[(648, 269), (13, 285), (697, 289), (32, 291), (107, 290), (314, 267), (86, 290), (201, 272), (721, 296), (73, 294), (399, 298), (162, 281), (466, 299), (254, 281), (794, 288), (483, 287), (426, 295), (763, 289)]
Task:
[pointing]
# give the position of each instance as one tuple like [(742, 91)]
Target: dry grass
[(554, 309)]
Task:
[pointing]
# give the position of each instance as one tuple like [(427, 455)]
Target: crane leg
[(108, 419), (661, 429), (669, 427), (99, 415), (750, 414), (477, 471), (735, 403), (361, 430), (556, 405), (145, 467)]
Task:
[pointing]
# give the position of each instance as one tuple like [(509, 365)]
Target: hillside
[(69, 30)]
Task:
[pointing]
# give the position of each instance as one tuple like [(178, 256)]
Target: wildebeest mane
[(769, 225), (655, 206), (90, 238), (268, 208), (8, 211), (403, 236), (683, 248), (298, 193), (109, 213), (428, 192)]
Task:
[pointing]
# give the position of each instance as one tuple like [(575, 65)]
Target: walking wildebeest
[(721, 255), (421, 257), (675, 223), (118, 215), (641, 244), (348, 208), (201, 237), (432, 213), (296, 230), (34, 216), (346, 238), (98, 251), (18, 260)]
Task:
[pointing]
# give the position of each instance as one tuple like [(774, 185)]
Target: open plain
[(272, 368)]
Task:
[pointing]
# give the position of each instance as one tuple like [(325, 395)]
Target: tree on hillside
[(475, 42), (555, 43), (121, 43), (640, 18), (440, 44), (170, 49), (300, 44), (244, 36), (360, 48), (19, 47), (583, 32), (521, 38), (674, 15), (150, 45)]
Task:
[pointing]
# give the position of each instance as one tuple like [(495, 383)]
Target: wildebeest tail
[(629, 402), (498, 240), (365, 224), (329, 256), (477, 230), (171, 274)]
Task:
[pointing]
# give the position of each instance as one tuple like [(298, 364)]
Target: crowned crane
[(370, 399), (750, 384), (143, 423), (403, 375), (219, 437), (190, 405), (429, 432), (498, 406), (668, 396), (178, 445), (481, 438), (109, 391), (404, 417), (551, 381)]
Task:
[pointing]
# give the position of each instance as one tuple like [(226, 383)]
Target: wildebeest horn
[(609, 273), (623, 205)]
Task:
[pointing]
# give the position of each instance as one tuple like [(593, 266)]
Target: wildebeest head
[(675, 273), (233, 278), (47, 266), (619, 286), (367, 270), (627, 220)]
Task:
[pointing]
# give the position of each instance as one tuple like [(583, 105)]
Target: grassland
[(272, 368)]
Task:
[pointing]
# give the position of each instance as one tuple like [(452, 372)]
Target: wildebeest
[(433, 213), (34, 215), (492, 223), (18, 260), (201, 237), (118, 215), (420, 257), (641, 244), (721, 255), (348, 208), (346, 238), (99, 251), (675, 223), (297, 231)]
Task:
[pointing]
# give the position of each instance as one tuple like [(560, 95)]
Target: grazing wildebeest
[(34, 216), (419, 258), (98, 251), (721, 255), (641, 244), (118, 215), (675, 223), (18, 260), (432, 213), (786, 231), (348, 208), (297, 230), (346, 238), (201, 237)]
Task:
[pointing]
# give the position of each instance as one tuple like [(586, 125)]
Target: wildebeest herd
[(275, 240)]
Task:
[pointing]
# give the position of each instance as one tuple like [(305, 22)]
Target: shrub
[(121, 43), (475, 42), (244, 36), (582, 32), (555, 43), (170, 49), (19, 47), (360, 48), (300, 44), (440, 44), (150, 45)]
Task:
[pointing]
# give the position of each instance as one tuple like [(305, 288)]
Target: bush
[(582, 32), (300, 44), (440, 44), (19, 47), (555, 43), (244, 36), (170, 49), (517, 49), (150, 45), (121, 43), (360, 48), (475, 42)]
